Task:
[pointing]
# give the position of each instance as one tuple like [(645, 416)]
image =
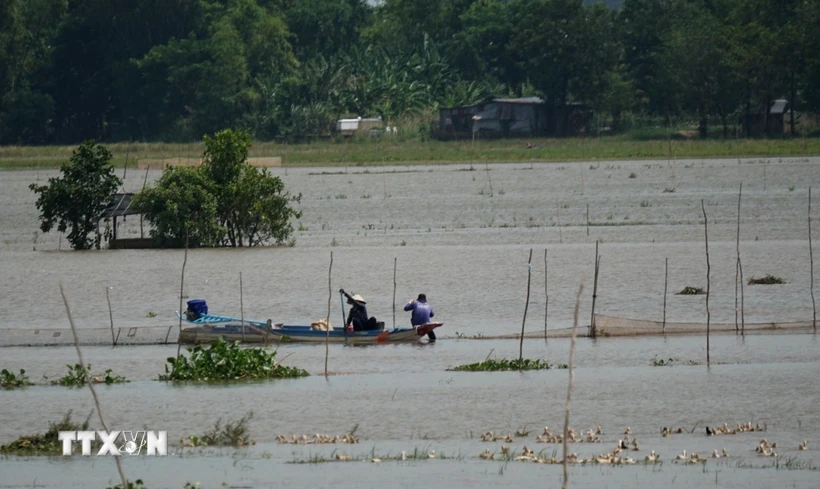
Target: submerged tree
[(76, 200), (225, 201), (181, 208)]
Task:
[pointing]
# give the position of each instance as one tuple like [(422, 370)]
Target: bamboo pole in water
[(110, 316), (665, 288), (739, 272), (708, 283), (571, 368), (117, 460), (546, 294), (395, 261), (587, 219), (811, 272), (241, 308), (181, 285), (144, 182), (560, 232), (329, 297), (593, 332), (526, 306)]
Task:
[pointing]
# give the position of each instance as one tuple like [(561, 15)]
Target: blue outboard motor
[(196, 309)]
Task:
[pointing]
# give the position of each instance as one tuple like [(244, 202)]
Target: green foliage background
[(173, 70)]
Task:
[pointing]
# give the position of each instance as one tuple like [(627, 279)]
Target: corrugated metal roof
[(120, 205), (522, 100), (779, 106)]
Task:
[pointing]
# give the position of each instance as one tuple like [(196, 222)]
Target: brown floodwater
[(462, 235)]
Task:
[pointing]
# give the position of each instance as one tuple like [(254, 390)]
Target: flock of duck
[(618, 456), (317, 439)]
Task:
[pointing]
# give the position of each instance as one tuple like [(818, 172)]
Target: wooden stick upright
[(110, 316), (708, 283), (329, 296), (571, 368), (665, 288), (811, 272), (395, 262), (593, 331), (526, 306), (181, 285), (144, 182), (739, 272), (546, 294), (241, 308)]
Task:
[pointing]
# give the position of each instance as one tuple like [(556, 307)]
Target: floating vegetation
[(633, 175), (48, 443), (227, 361), (691, 291), (660, 362), (76, 377), (231, 434), (767, 280), (669, 190), (10, 380), (504, 364)]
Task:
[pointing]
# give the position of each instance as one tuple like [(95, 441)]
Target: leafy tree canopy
[(225, 201), (76, 200)]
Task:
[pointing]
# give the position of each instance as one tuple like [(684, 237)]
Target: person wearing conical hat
[(357, 317)]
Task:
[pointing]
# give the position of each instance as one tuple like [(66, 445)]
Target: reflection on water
[(467, 251)]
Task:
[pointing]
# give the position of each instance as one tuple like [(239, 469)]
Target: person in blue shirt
[(422, 312)]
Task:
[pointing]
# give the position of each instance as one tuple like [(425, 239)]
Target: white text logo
[(117, 442)]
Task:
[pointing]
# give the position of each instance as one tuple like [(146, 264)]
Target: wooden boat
[(289, 333), (211, 327)]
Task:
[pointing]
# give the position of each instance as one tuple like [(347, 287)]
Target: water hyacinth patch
[(504, 364), (10, 380), (227, 361), (76, 377)]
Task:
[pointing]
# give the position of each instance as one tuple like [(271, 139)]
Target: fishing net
[(148, 335), (615, 326)]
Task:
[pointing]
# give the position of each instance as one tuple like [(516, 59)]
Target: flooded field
[(462, 235)]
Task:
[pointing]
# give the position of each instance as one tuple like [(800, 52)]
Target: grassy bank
[(394, 151)]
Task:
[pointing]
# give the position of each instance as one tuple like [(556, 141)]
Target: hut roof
[(120, 205)]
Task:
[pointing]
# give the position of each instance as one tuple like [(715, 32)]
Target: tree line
[(173, 70)]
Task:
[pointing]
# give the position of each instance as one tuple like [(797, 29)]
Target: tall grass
[(408, 149)]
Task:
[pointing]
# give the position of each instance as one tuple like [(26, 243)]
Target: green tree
[(225, 201), (181, 208), (252, 207), (76, 200)]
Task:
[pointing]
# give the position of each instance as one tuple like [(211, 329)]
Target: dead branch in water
[(90, 383)]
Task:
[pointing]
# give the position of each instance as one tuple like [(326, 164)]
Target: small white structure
[(348, 127)]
